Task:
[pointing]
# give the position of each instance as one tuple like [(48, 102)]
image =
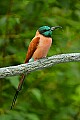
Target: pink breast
[(43, 48)]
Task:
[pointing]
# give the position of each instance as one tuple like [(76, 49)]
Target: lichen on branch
[(39, 64)]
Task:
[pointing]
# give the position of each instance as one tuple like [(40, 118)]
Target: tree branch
[(39, 64)]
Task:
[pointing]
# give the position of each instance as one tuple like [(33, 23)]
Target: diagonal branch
[(39, 64)]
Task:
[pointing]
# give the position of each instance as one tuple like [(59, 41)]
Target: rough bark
[(39, 64)]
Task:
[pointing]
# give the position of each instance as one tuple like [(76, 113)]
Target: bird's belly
[(41, 51)]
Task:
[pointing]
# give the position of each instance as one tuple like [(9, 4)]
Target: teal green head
[(47, 31)]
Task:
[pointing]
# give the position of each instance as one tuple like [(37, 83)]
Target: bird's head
[(47, 31)]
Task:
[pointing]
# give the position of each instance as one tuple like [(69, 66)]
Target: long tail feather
[(18, 90)]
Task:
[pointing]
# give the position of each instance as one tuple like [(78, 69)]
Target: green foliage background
[(50, 94)]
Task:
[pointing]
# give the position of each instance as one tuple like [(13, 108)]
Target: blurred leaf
[(3, 20), (32, 116), (17, 20), (14, 81), (5, 117), (37, 93)]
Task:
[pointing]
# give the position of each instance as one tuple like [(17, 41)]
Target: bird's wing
[(32, 47)]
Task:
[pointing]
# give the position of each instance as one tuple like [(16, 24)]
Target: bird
[(38, 48)]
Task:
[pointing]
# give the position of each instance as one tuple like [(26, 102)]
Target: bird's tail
[(18, 90)]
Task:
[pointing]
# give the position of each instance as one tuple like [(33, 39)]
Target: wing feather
[(32, 47)]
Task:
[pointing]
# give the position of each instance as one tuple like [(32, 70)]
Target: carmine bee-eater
[(38, 48)]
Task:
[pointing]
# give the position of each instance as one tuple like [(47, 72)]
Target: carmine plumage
[(38, 48)]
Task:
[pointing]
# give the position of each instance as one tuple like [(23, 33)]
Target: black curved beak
[(53, 28)]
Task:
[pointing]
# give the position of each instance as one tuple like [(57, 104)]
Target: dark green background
[(52, 93)]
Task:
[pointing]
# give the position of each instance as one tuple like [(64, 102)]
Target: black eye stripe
[(42, 31), (46, 30)]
